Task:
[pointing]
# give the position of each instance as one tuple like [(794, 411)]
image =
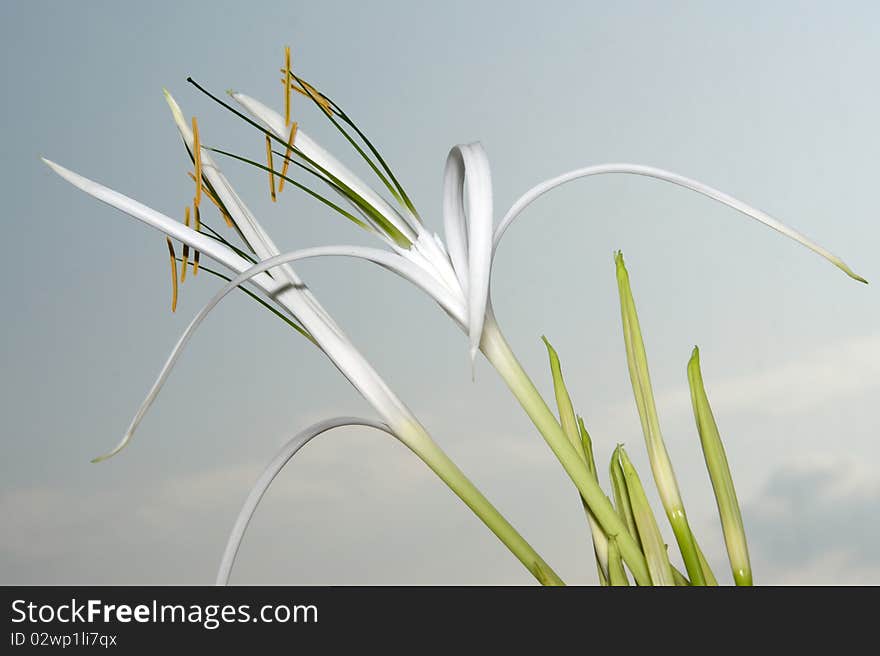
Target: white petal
[(274, 122), (285, 453), (651, 172), (174, 229), (335, 345), (454, 220), (251, 230), (467, 218)]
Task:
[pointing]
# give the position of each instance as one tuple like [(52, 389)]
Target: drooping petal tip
[(852, 274), (119, 447)]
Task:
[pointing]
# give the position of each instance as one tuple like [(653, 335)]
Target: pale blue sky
[(775, 103)]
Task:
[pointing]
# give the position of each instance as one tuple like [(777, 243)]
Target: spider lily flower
[(279, 282), (469, 249), (471, 243), (299, 304)]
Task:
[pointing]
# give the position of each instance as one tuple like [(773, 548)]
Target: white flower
[(273, 276), (469, 249)]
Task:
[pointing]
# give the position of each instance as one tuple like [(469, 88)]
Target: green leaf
[(616, 573), (563, 400), (719, 474), (621, 495), (661, 465), (580, 440), (652, 541)]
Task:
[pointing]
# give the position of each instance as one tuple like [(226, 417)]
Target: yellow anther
[(317, 95), (197, 158), (287, 152), (216, 202), (271, 169), (286, 87), (173, 274), (185, 248), (308, 91)]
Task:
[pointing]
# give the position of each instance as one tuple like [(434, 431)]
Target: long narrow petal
[(422, 242), (480, 219), (467, 218), (174, 229), (454, 220), (250, 229), (367, 382), (649, 171), (282, 457), (327, 335), (274, 122)]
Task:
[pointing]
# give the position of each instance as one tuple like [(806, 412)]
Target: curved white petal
[(327, 335), (174, 229), (274, 122), (454, 221), (343, 354), (285, 453), (694, 185), (467, 220)]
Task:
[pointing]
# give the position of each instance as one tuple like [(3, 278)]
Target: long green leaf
[(719, 474), (652, 541), (569, 422), (621, 496), (661, 465), (616, 573)]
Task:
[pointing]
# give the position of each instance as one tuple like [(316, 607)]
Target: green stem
[(417, 439), (498, 352)]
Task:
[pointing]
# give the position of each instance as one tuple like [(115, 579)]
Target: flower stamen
[(197, 158), (287, 153), (211, 197), (306, 90), (173, 274), (286, 89)]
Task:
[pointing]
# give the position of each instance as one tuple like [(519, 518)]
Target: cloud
[(339, 499), (846, 368), (817, 523)]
